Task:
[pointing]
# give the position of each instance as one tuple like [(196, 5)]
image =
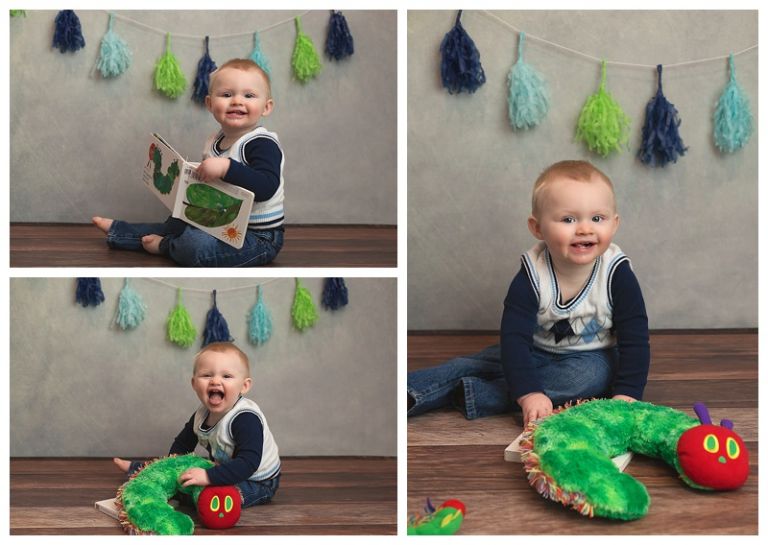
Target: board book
[(512, 454), (218, 208)]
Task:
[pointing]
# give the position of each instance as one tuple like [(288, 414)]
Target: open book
[(218, 208), (512, 454)]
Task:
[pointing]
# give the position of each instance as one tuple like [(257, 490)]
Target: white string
[(208, 291), (615, 63), (196, 37)]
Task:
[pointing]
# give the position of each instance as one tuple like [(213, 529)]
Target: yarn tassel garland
[(131, 309), (460, 67), (602, 124), (204, 68), (303, 311), (335, 294), (18, 13), (68, 34), (258, 56), (88, 292), (733, 115), (179, 327), (528, 93), (216, 328), (114, 55), (338, 43), (661, 140), (259, 321), (305, 61), (169, 78)]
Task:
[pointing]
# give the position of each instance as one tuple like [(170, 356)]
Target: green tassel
[(305, 61), (602, 124), (169, 78), (180, 328), (18, 13), (303, 310)]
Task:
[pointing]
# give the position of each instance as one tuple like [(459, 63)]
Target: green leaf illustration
[(210, 207)]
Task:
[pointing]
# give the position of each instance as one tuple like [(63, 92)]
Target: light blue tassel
[(131, 309), (258, 56), (259, 321), (114, 55), (733, 115), (528, 93)]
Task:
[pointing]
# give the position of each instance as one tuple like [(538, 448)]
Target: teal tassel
[(131, 309), (528, 93), (733, 115), (114, 55), (216, 328), (258, 56), (259, 321)]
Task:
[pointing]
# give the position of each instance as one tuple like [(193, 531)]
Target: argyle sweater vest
[(586, 321), (267, 214), (220, 443)]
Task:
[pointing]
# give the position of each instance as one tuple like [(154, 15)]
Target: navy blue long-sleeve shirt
[(630, 323), (247, 432), (261, 174)]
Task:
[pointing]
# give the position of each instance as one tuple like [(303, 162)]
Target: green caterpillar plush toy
[(567, 456), (143, 500)]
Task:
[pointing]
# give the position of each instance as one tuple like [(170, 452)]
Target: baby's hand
[(213, 168), (624, 398), (195, 476), (535, 405)]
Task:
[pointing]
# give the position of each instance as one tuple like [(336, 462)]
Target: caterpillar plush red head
[(713, 457), (219, 506)]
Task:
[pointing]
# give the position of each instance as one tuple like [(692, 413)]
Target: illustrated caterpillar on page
[(143, 500), (163, 182), (567, 456)]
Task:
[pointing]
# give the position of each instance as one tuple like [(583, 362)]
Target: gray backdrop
[(83, 388), (690, 228), (79, 142)]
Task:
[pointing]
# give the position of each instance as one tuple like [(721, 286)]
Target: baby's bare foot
[(151, 243), (124, 465), (102, 223)]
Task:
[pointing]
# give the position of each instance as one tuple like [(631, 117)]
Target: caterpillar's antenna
[(701, 411), (726, 423)]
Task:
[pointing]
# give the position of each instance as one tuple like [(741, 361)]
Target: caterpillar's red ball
[(219, 507), (714, 457)]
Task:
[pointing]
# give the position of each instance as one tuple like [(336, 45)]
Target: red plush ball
[(714, 457), (219, 507)]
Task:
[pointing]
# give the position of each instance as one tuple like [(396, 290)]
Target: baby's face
[(238, 99), (577, 220), (219, 379)]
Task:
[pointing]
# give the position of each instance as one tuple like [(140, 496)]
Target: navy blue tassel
[(339, 43), (204, 68), (460, 68), (89, 292), (68, 36), (335, 293), (661, 140), (216, 328)]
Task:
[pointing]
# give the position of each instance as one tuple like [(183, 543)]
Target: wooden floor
[(77, 245), (449, 456), (328, 495)]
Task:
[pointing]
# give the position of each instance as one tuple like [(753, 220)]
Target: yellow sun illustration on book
[(232, 234)]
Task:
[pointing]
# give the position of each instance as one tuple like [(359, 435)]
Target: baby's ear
[(268, 107), (208, 102), (533, 227)]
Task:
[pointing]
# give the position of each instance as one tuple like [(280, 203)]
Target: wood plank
[(318, 495), (82, 245)]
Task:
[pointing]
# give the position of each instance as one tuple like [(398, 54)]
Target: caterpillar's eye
[(732, 448), (215, 504), (228, 504), (711, 444)]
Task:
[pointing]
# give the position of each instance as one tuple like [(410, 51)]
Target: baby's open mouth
[(215, 396), (583, 244)]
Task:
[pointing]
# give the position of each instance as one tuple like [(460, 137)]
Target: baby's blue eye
[(597, 219), (569, 219)]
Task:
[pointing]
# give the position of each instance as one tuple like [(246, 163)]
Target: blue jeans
[(190, 247), (253, 492), (476, 385)]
